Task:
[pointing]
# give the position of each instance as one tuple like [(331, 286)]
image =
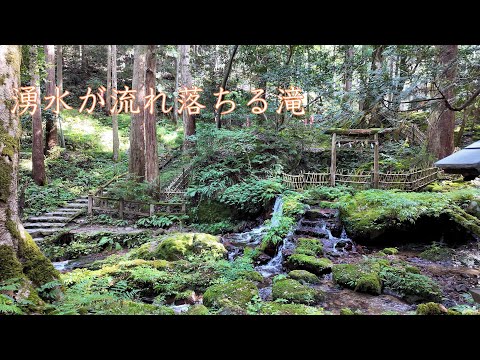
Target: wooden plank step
[(42, 225), (50, 231), (48, 219)]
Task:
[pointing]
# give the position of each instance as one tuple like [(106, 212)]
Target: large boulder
[(231, 294), (177, 246), (315, 265), (303, 276)]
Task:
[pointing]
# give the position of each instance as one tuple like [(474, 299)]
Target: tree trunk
[(348, 68), (116, 141), (186, 80), (60, 68), (177, 76), (38, 160), (83, 58), (50, 126), (108, 102), (19, 255), (136, 164), (441, 124), (228, 69), (151, 147)]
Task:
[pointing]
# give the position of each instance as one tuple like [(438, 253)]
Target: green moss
[(348, 311), (303, 276), (177, 246), (3, 77), (197, 310), (251, 275), (35, 265), (412, 269), (275, 308), (237, 293), (10, 267), (127, 307), (358, 278), (369, 283), (431, 308), (309, 263), (293, 291), (309, 246), (436, 253), (412, 287), (390, 251)]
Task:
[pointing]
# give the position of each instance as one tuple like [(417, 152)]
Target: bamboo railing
[(407, 181)]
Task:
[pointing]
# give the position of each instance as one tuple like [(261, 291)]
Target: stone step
[(317, 213), (312, 223), (37, 239), (48, 219), (82, 201), (43, 225), (69, 210), (315, 232), (62, 213), (35, 232), (76, 205)]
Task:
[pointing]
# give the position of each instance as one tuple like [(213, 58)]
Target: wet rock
[(431, 308), (293, 291), (461, 288), (312, 231), (262, 259)]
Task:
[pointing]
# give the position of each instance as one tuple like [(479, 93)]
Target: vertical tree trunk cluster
[(441, 125), (38, 160), (189, 126), (143, 155), (116, 141), (19, 255), (50, 126)]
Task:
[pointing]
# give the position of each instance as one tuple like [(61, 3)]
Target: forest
[(239, 180)]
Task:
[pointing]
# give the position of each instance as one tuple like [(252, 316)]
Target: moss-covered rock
[(412, 287), (303, 276), (348, 311), (237, 293), (436, 253), (179, 245), (293, 291), (275, 308), (354, 277), (198, 309), (251, 275), (390, 251), (431, 308), (309, 246), (317, 266)]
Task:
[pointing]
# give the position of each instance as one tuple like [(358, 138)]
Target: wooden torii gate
[(355, 136)]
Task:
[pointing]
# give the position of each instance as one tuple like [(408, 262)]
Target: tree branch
[(465, 104)]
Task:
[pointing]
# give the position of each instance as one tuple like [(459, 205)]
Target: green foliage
[(328, 193), (107, 220), (221, 227), (292, 204), (276, 234), (155, 221)]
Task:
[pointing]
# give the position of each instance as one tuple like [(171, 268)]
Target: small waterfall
[(277, 211)]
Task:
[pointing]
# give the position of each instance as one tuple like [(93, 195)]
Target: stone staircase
[(58, 220)]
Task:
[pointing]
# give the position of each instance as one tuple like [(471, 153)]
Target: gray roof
[(466, 158)]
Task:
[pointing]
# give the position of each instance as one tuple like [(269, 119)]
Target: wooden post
[(90, 204), (375, 163), (152, 209), (333, 162), (120, 208)]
